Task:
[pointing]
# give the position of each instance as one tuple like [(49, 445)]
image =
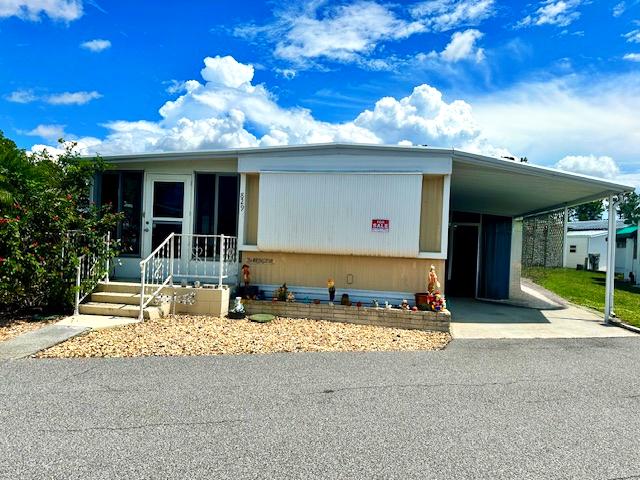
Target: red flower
[(2, 259)]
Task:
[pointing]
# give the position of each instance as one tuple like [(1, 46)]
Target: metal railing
[(186, 257), (91, 270)]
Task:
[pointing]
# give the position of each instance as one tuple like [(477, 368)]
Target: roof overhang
[(510, 188), (479, 184)]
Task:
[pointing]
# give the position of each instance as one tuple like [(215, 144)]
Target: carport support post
[(611, 260), (565, 243)]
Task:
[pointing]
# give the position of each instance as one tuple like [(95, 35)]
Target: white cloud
[(633, 36), (72, 98), (585, 119), (97, 45), (632, 57), (229, 110), (572, 115), (599, 167), (51, 132), (22, 96), (63, 10), (340, 33), (443, 15), (353, 32), (618, 9), (462, 47), (560, 13)]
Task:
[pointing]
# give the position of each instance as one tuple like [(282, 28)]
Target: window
[(573, 248), (123, 191), (216, 204)]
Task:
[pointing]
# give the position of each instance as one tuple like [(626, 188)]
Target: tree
[(588, 211), (629, 208), (49, 197)]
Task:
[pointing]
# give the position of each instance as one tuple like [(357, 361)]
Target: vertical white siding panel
[(331, 213)]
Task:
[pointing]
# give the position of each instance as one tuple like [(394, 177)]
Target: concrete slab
[(475, 319), (30, 343), (97, 322)]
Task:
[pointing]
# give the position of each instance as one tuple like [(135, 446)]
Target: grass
[(587, 289)]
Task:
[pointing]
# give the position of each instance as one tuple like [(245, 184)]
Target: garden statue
[(237, 312), (433, 283), (246, 275), (291, 297), (405, 304), (331, 286)]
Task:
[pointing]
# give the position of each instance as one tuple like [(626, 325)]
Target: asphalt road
[(480, 409)]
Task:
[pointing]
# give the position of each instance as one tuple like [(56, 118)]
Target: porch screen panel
[(332, 213)]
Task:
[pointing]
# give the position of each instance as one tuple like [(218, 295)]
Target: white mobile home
[(374, 218)]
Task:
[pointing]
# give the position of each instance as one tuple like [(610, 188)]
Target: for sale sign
[(380, 225)]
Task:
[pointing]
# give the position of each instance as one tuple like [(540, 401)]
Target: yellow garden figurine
[(433, 284)]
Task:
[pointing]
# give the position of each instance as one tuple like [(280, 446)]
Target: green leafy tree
[(629, 208), (50, 197), (588, 211)]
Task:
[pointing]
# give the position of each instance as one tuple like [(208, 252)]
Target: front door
[(167, 208), (462, 265)]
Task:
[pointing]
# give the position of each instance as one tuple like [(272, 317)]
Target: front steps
[(120, 299)]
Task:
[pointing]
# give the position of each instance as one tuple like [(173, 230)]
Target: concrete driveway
[(485, 409), (472, 319)]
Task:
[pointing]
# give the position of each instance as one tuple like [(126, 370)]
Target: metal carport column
[(611, 260)]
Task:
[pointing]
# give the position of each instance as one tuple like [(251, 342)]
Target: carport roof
[(494, 186)]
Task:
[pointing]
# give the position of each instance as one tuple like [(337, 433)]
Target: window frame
[(98, 200)]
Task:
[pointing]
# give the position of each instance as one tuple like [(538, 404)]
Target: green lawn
[(587, 289)]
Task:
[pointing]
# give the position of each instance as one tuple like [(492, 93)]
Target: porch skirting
[(381, 317)]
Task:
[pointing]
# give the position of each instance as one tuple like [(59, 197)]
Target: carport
[(489, 198)]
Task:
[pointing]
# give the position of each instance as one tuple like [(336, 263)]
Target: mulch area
[(200, 335)]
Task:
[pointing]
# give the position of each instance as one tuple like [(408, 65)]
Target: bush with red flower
[(46, 198)]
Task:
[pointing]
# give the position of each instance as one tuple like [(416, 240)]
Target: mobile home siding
[(332, 213)]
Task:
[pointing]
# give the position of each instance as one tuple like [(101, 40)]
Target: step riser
[(107, 311), (115, 287), (116, 297)]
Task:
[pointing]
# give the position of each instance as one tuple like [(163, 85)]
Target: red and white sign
[(380, 225)]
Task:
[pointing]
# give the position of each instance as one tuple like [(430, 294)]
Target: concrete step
[(118, 287), (117, 297), (122, 310)]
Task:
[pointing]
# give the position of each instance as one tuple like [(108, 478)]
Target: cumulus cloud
[(463, 46), (62, 10), (22, 96), (594, 166), (632, 57), (72, 98), (229, 110), (97, 45), (560, 13)]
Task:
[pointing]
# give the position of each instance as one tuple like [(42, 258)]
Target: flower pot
[(236, 315), (422, 298)]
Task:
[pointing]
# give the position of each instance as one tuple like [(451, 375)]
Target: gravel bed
[(201, 335)]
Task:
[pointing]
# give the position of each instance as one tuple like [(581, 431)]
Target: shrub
[(48, 198)]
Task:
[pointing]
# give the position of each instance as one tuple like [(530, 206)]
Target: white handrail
[(196, 259), (89, 273)]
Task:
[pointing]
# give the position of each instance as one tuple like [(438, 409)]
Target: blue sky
[(557, 81)]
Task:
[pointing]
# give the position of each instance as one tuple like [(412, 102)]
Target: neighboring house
[(374, 218), (585, 238)]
